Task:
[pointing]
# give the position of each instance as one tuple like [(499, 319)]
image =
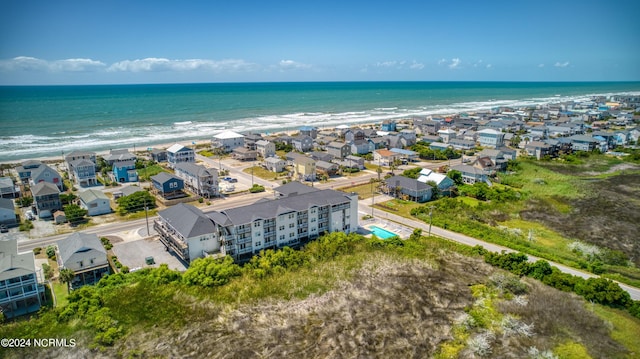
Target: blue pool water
[(382, 233)]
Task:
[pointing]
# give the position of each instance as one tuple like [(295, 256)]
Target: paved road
[(364, 208)]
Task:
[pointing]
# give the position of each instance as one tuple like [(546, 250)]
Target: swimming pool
[(382, 233)]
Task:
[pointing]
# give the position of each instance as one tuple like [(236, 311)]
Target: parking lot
[(133, 253)]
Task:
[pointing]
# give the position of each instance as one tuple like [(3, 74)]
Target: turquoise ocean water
[(42, 121)]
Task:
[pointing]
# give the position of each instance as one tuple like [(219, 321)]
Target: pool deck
[(402, 231)]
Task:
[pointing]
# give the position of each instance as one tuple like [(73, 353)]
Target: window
[(292, 234), (258, 244), (291, 216), (313, 220), (291, 225), (173, 185), (256, 224), (281, 228), (80, 263), (282, 236)]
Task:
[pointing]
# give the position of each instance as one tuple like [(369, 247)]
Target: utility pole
[(146, 215), (430, 218), (373, 202)]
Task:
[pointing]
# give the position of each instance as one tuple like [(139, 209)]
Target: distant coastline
[(45, 121)]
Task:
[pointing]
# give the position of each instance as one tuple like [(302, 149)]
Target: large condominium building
[(292, 220)]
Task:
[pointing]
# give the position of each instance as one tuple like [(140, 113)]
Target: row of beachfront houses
[(22, 282), (297, 215)]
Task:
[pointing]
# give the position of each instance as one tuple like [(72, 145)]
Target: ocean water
[(43, 121)]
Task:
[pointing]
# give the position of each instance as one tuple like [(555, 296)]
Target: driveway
[(133, 253)]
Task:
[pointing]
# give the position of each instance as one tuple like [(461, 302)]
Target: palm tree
[(66, 276)]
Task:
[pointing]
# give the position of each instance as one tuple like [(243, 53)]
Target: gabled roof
[(6, 204), (44, 188), (195, 170), (405, 182), (37, 172), (294, 187), (12, 263), (227, 135), (178, 148), (6, 182), (163, 177), (273, 208), (187, 220), (79, 242), (91, 195)]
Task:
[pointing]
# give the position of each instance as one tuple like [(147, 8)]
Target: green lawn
[(60, 290), (363, 190), (146, 173), (263, 173)]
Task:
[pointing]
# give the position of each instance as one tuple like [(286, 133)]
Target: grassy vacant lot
[(263, 173), (146, 173), (422, 297), (575, 215)]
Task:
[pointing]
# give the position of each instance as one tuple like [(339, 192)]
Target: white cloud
[(416, 65), (292, 65), (455, 63), (489, 66), (26, 63), (561, 64), (442, 61), (541, 65), (386, 64), (152, 64)]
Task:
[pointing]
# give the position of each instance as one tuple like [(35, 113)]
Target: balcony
[(171, 239)]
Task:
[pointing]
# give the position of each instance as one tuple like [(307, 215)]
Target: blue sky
[(96, 42)]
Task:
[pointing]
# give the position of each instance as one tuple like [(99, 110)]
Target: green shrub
[(51, 251)]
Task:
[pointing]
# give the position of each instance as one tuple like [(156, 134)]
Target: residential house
[(406, 155), (168, 185), (46, 199), (353, 162), (119, 155), (354, 134), (24, 171), (274, 164), (309, 131), (305, 169), (251, 139), (188, 232), (470, 174), (439, 146), (178, 153), (540, 149), (125, 171), (362, 147), (428, 128), (44, 173), (326, 168), (496, 156), (430, 139), (462, 144), (388, 126), (266, 148), (409, 188), (7, 213), (321, 156), (302, 143), (59, 217), (603, 144), (85, 255), (244, 154), (338, 149), (385, 157), (198, 179), (290, 220), (292, 157), (380, 143), (409, 136), (95, 202), (159, 155), (399, 141), (83, 172), (485, 164), (8, 189), (447, 135), (80, 155), (21, 288), (583, 143), (443, 182), (126, 191), (227, 141), (490, 138)]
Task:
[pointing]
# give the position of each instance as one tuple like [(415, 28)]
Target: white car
[(30, 216)]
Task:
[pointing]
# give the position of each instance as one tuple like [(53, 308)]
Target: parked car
[(30, 216), (226, 179), (3, 228), (233, 180)]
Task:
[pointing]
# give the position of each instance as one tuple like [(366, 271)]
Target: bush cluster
[(596, 290)]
